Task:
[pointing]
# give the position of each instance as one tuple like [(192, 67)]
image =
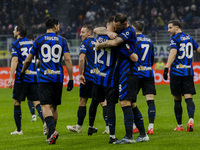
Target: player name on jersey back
[(52, 38)]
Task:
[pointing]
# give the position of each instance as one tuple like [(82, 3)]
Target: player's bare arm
[(68, 63), (81, 66), (198, 50), (27, 62), (13, 67), (104, 31), (171, 57), (109, 43), (134, 57)]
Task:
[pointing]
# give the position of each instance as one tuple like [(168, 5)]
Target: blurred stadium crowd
[(154, 13)]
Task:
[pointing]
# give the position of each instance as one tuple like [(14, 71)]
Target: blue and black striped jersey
[(182, 64), (126, 66), (145, 54), (20, 48), (106, 65), (87, 47), (50, 48)]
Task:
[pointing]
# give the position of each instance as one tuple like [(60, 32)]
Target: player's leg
[(92, 115), (143, 137), (50, 96), (84, 93), (176, 91), (49, 119), (149, 90), (178, 112), (188, 91), (32, 110), (39, 109), (81, 113), (17, 117), (190, 110), (140, 85), (128, 122), (55, 114), (151, 112), (127, 92), (98, 96), (112, 95), (32, 95), (19, 94), (105, 116)]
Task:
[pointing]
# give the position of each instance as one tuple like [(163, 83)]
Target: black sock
[(105, 116), (151, 111), (92, 112), (81, 114), (31, 107), (17, 117), (178, 111), (128, 120), (50, 124), (139, 120), (190, 107), (39, 110), (111, 118)]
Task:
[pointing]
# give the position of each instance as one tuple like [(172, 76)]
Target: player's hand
[(21, 76), (10, 83), (70, 85), (165, 73), (96, 46), (82, 79), (112, 35)]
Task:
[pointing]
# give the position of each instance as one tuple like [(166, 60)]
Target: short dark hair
[(51, 22), (119, 17), (175, 22), (22, 29), (111, 19), (89, 28), (139, 26)]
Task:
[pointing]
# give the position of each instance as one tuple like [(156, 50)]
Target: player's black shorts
[(50, 93), (100, 93), (128, 87), (181, 85), (85, 91), (147, 85), (23, 90)]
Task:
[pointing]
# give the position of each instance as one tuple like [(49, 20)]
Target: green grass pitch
[(164, 137)]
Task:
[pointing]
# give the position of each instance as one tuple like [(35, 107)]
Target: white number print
[(187, 50), (25, 53), (49, 53), (98, 58), (146, 46)]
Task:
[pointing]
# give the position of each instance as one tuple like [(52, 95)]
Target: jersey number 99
[(49, 53)]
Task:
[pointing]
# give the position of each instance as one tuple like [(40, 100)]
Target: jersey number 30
[(187, 50)]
